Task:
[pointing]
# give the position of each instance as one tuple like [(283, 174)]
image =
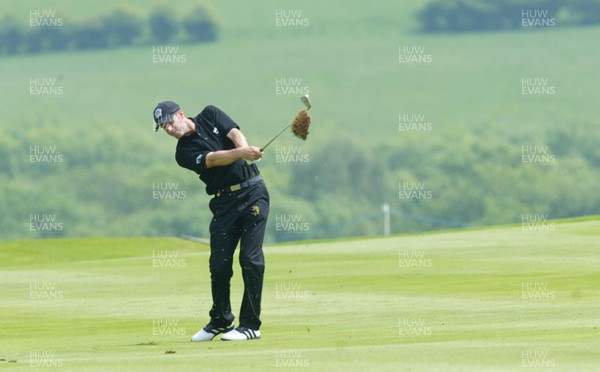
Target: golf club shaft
[(277, 135), (306, 100)]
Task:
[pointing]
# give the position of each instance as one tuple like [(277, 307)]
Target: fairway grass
[(502, 298)]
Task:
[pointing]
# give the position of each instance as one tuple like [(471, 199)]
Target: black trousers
[(239, 216)]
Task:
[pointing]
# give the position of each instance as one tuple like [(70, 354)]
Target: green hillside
[(358, 155), (500, 298)]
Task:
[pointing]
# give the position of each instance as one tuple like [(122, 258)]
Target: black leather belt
[(239, 186)]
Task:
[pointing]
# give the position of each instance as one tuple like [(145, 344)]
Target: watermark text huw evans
[(167, 327), (167, 258), (290, 358), (43, 154), (537, 86), (44, 358), (44, 290), (290, 18), (291, 154), (413, 191), (413, 258), (290, 290), (45, 222), (413, 54), (537, 19), (536, 291), (536, 222), (536, 358), (167, 191), (45, 18), (537, 155), (168, 54), (44, 86), (290, 86), (410, 327), (413, 123), (290, 223)]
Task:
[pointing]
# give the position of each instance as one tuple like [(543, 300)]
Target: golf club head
[(306, 100)]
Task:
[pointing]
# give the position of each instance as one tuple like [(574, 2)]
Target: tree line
[(48, 31), (479, 15), (54, 185)]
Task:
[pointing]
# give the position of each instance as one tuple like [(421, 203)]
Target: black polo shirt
[(212, 127)]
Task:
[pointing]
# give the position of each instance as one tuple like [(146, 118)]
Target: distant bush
[(123, 27), (90, 34), (56, 39), (585, 12), (120, 27), (478, 15), (34, 41), (163, 26), (200, 25), (12, 35)]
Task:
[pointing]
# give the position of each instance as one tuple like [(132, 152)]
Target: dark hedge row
[(478, 15), (49, 31)]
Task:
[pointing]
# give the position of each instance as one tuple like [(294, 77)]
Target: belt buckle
[(236, 187)]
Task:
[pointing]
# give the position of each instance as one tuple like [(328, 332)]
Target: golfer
[(212, 145)]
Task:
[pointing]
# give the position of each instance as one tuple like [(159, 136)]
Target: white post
[(386, 219)]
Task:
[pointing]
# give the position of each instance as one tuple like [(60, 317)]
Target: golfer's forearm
[(237, 137), (222, 157)]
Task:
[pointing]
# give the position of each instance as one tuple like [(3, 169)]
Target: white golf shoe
[(209, 332), (241, 334)]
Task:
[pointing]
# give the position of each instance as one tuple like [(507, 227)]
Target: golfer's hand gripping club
[(253, 155)]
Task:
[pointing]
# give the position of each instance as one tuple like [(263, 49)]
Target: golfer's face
[(175, 127)]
